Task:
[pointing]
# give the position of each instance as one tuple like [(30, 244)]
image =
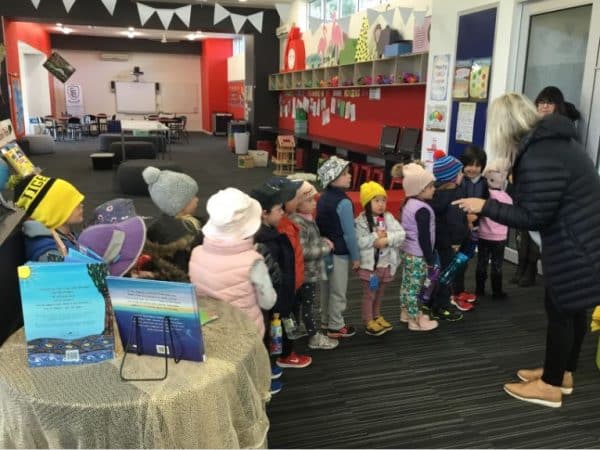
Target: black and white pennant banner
[(110, 5), (165, 15), (36, 3), (238, 20)]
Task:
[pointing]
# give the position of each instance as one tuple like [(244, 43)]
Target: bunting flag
[(110, 5), (185, 12), (314, 24), (256, 20), (238, 21), (419, 17), (283, 9), (36, 3), (388, 16), (165, 16), (68, 4), (344, 23), (372, 15), (405, 14), (145, 12), (220, 14)]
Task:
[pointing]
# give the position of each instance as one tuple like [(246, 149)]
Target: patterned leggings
[(414, 270)]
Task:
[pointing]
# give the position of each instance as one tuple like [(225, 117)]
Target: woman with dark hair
[(556, 192)]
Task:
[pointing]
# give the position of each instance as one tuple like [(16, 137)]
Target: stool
[(365, 172), (396, 183), (102, 161), (133, 150), (378, 174), (299, 158), (129, 174)]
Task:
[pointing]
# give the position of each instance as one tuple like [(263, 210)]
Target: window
[(349, 7), (238, 46), (331, 8), (315, 9), (364, 4)]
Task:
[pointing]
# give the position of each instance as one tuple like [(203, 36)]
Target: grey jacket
[(314, 248)]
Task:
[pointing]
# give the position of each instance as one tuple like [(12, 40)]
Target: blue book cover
[(151, 301), (67, 313)]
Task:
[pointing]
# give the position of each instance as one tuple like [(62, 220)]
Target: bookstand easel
[(134, 345)]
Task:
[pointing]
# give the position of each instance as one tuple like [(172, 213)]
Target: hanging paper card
[(462, 74), (479, 79)]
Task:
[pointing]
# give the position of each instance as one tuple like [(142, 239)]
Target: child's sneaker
[(276, 387), (404, 314), (276, 372), (384, 323), (422, 323), (467, 297), (450, 314), (321, 342), (344, 332), (374, 329), (294, 361), (463, 305)]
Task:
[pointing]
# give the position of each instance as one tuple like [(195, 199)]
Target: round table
[(219, 403)]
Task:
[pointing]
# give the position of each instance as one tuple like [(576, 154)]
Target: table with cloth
[(219, 403)]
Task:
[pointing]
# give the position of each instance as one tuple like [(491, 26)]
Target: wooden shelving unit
[(352, 74)]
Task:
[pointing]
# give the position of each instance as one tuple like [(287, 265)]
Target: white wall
[(95, 76), (35, 84), (236, 67)]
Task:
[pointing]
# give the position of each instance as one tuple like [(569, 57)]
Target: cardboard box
[(261, 157), (398, 48), (245, 162)]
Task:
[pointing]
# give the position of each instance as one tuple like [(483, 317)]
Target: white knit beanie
[(416, 178), (170, 191)]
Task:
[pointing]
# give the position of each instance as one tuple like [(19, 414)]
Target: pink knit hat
[(416, 178)]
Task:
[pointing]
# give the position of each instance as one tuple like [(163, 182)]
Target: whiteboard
[(179, 98), (135, 98)]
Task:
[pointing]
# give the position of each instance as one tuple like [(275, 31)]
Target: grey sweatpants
[(333, 294)]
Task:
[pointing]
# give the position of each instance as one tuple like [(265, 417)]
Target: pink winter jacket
[(490, 230), (221, 270)]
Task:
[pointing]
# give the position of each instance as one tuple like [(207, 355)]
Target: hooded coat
[(557, 192)]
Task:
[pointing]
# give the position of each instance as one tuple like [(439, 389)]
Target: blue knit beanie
[(446, 168)]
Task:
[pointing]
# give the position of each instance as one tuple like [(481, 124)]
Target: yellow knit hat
[(50, 201), (370, 190)]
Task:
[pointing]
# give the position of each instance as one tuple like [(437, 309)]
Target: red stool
[(355, 169), (299, 157), (365, 172), (396, 183), (377, 174)]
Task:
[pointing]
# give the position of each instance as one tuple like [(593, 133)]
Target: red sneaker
[(462, 305), (294, 361), (465, 296)]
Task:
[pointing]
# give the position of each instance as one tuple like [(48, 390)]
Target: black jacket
[(451, 227), (277, 249), (557, 191)]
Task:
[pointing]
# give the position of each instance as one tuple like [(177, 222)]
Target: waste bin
[(241, 142), (235, 126)]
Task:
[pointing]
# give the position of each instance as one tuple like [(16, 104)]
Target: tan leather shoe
[(537, 392), (534, 374)]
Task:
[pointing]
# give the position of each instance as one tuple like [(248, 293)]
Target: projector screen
[(135, 98)]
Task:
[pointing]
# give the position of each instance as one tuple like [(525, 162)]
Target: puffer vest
[(409, 223), (221, 270)]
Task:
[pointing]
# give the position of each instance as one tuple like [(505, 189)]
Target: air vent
[(114, 56)]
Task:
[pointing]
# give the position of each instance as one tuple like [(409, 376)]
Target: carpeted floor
[(404, 389)]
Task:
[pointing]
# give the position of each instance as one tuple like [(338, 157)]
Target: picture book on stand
[(67, 313), (141, 306)]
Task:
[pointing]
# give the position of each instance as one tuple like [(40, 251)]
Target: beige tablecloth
[(219, 403)]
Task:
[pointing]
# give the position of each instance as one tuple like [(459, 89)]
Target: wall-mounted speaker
[(112, 86), (157, 87)]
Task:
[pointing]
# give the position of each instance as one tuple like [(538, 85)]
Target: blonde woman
[(556, 192)]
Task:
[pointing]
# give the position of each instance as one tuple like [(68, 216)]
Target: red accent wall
[(398, 106), (32, 34), (215, 92)]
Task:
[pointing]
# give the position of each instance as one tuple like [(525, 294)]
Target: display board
[(135, 98), (179, 98)]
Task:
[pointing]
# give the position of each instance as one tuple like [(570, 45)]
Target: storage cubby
[(347, 75), (318, 78), (297, 80), (363, 74), (384, 71)]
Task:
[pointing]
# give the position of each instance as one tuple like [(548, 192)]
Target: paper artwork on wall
[(479, 79), (439, 77), (437, 117), (110, 5), (462, 76), (465, 122)]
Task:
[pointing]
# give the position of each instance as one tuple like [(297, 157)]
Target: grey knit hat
[(331, 169), (170, 191)]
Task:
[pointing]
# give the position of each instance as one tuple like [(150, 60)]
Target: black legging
[(564, 337)]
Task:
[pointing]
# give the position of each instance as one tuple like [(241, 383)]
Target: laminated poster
[(479, 79), (465, 122), (437, 117), (462, 74)]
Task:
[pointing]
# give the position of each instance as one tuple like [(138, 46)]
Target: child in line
[(473, 184), (379, 239), (314, 248), (335, 218), (451, 229), (492, 235), (277, 250), (54, 206), (418, 221), (226, 266), (171, 238)]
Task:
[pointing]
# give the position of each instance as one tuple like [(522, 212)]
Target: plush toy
[(408, 77), (295, 55)]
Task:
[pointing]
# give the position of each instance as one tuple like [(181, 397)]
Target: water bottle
[(381, 223), (328, 259), (276, 346), (459, 261), (468, 247), (429, 284)]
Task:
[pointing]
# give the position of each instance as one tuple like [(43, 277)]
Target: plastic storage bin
[(242, 140)]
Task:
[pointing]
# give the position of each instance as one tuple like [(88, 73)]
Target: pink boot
[(422, 323)]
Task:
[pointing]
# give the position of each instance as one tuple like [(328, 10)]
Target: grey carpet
[(404, 389)]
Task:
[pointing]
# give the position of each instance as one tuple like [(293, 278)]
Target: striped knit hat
[(446, 168)]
